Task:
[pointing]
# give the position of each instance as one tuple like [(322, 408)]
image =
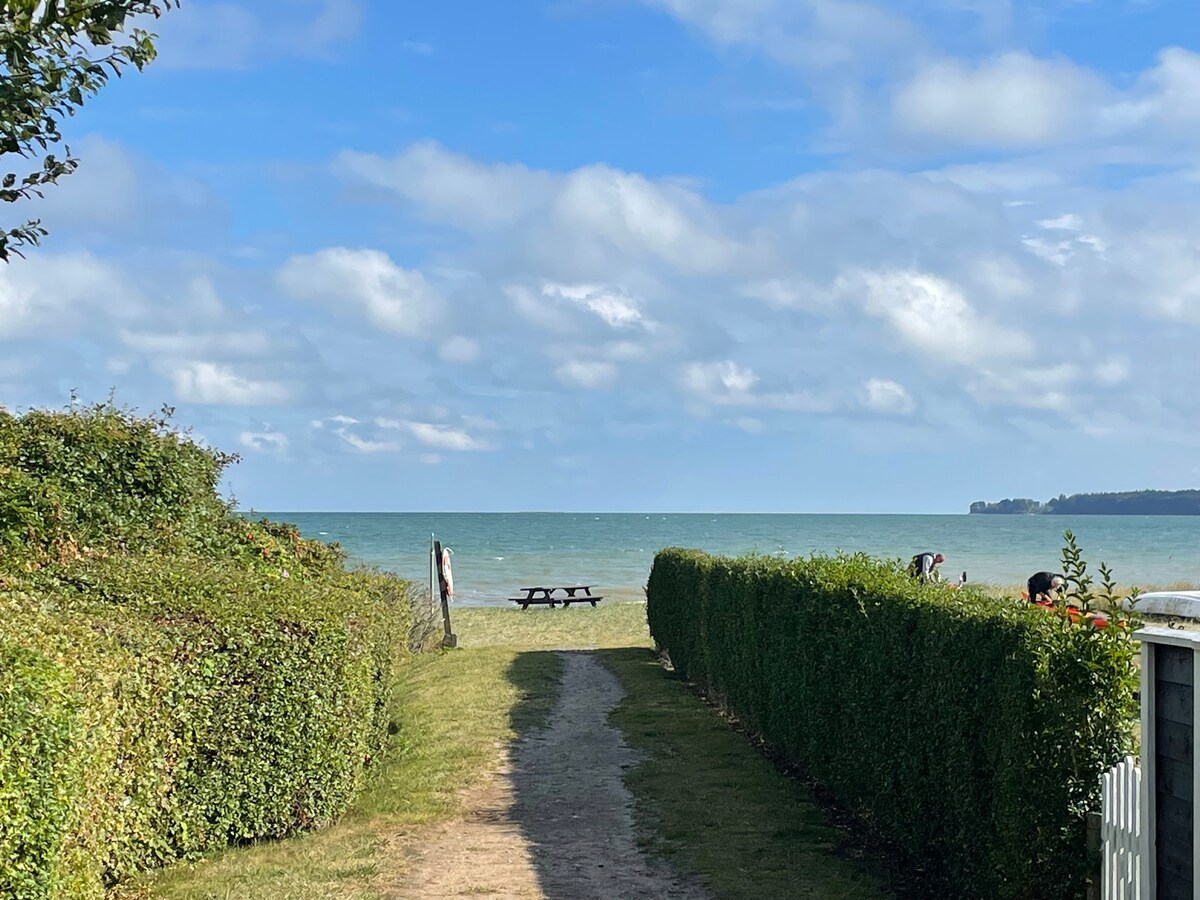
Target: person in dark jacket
[(1045, 586), (924, 567)]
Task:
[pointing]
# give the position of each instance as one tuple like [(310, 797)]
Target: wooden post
[(450, 639)]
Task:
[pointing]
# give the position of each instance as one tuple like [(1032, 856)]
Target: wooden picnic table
[(545, 594)]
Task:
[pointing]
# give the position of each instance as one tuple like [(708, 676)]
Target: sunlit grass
[(616, 625)]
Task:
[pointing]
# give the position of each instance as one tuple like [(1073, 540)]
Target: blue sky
[(759, 255)]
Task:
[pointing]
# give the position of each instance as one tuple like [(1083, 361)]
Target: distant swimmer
[(924, 567), (1045, 586)]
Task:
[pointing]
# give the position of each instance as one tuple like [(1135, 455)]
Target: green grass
[(615, 625), (712, 804), (706, 799)]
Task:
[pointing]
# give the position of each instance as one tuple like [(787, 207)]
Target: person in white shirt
[(924, 567)]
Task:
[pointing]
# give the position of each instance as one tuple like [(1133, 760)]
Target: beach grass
[(706, 799)]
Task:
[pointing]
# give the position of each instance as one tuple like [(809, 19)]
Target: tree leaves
[(49, 65)]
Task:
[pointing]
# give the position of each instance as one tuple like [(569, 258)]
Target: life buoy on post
[(447, 575)]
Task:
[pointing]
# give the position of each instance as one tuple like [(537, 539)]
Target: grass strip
[(581, 626), (711, 804)]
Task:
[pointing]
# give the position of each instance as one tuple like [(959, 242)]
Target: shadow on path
[(568, 797)]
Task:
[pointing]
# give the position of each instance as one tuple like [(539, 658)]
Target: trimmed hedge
[(35, 738), (158, 709), (173, 677), (969, 734)]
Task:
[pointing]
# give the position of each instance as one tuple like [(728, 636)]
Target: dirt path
[(555, 820)]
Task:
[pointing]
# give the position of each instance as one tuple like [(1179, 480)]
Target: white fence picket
[(1121, 832)]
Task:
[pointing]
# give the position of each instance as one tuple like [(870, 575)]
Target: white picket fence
[(1121, 832)]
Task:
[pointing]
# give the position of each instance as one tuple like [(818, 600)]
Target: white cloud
[(1018, 100), (1013, 100), (998, 178), (613, 307), (444, 437), (1038, 386), (1166, 97), (716, 381), (347, 435), (57, 294), (750, 425), (1161, 265), (459, 350), (594, 213), (884, 396), (264, 441), (119, 193), (233, 36), (363, 445), (398, 300), (1065, 222), (725, 383), (593, 374), (814, 34), (933, 318), (207, 382), (450, 187), (1112, 371), (172, 345), (789, 293), (630, 213)]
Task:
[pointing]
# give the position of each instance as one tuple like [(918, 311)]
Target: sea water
[(496, 553)]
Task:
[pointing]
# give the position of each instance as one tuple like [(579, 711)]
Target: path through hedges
[(554, 818)]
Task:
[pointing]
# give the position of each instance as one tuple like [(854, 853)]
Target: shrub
[(104, 477), (968, 733), (35, 732), (199, 705), (173, 677)]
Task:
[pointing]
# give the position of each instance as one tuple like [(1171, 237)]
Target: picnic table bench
[(573, 593)]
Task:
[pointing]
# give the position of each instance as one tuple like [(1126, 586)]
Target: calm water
[(494, 553)]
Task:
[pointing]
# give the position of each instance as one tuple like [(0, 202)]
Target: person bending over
[(1045, 586), (924, 567)]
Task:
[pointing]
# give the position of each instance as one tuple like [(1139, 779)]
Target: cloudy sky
[(760, 255)]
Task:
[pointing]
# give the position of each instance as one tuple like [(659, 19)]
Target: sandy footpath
[(554, 820)]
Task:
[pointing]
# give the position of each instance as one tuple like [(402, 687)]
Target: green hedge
[(35, 738), (968, 733), (157, 708), (101, 476)]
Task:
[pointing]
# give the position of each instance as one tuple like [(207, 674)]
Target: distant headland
[(1125, 503)]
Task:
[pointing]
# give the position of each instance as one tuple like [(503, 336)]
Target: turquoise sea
[(494, 553)]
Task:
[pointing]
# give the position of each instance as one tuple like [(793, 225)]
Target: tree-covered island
[(1123, 503)]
